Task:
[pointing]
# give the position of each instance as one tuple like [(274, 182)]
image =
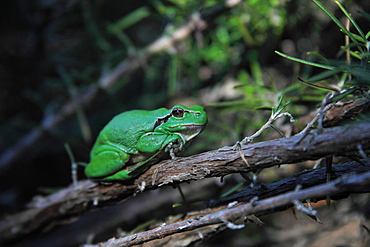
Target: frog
[(135, 140)]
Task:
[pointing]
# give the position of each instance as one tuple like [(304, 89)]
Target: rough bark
[(87, 195), (234, 216)]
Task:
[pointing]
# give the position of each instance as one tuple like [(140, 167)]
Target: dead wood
[(87, 195), (234, 216)]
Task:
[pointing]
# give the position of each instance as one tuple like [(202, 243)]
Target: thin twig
[(325, 106), (267, 125)]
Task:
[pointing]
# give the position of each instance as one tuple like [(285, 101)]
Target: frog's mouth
[(192, 130)]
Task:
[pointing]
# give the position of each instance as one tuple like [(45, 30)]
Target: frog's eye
[(177, 112)]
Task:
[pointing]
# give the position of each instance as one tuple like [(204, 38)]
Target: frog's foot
[(172, 148), (172, 153)]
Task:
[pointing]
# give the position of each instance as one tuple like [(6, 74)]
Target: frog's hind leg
[(105, 164), (132, 171)]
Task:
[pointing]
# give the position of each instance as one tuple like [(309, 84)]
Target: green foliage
[(347, 73), (221, 51)]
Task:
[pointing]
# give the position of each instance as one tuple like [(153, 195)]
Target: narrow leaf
[(324, 75), (351, 19), (323, 66), (335, 20)]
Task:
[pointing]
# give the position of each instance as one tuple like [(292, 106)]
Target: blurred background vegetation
[(53, 51)]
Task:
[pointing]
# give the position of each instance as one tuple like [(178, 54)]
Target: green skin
[(134, 140)]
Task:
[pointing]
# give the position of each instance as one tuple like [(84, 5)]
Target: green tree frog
[(134, 140)]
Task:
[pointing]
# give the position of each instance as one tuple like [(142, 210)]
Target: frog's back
[(126, 128), (133, 121)]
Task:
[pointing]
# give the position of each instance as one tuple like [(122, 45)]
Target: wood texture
[(73, 201)]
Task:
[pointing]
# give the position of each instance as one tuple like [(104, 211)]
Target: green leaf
[(335, 20), (318, 55), (323, 66), (278, 130), (324, 75), (359, 38), (348, 15), (343, 94), (355, 54), (280, 105), (367, 35)]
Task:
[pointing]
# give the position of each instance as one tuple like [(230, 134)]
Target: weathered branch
[(72, 201), (227, 216), (338, 114), (306, 179)]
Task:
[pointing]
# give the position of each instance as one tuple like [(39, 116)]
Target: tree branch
[(73, 201), (229, 215), (306, 179)]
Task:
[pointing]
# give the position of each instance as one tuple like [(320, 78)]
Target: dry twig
[(342, 184)]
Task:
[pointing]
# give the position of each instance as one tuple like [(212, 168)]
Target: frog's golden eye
[(177, 112)]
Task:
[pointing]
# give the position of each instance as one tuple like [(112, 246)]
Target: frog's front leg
[(160, 141), (155, 141)]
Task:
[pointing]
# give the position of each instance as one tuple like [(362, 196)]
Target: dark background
[(50, 48)]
